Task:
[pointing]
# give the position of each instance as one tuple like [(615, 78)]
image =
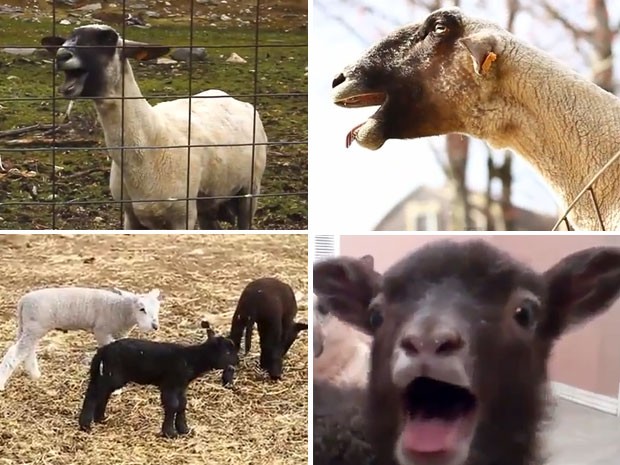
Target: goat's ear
[(483, 50), (52, 43), (581, 286), (143, 52)]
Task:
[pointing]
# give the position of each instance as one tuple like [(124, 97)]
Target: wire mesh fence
[(81, 149)]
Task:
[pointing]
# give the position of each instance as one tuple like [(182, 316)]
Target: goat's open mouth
[(359, 101), (439, 417), (74, 82)]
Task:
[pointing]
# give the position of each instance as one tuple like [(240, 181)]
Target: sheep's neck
[(199, 359), (129, 122), (567, 127)]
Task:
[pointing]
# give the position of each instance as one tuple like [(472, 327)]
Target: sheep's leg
[(180, 422), (15, 355), (271, 350), (249, 329), (102, 402), (130, 220), (170, 403), (247, 205), (91, 400), (31, 365)]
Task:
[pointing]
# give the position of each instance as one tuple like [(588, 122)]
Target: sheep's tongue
[(422, 435)]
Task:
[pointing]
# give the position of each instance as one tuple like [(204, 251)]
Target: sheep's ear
[(368, 261), (143, 52), (206, 325), (52, 43), (483, 50), (581, 286), (157, 294), (116, 290)]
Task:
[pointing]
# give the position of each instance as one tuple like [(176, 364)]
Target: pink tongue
[(430, 435)]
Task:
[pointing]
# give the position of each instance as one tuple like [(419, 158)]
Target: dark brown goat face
[(91, 61), (459, 362), (423, 78), (345, 287)]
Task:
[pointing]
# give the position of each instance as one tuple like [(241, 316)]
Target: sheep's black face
[(85, 58), (459, 319), (414, 75)]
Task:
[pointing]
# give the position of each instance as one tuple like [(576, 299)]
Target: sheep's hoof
[(85, 428), (183, 430), (169, 434)]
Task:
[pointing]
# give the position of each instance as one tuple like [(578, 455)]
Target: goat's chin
[(73, 85)]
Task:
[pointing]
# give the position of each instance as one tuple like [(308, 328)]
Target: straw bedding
[(258, 422)]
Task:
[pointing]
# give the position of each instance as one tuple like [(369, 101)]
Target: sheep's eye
[(143, 310), (525, 314), (440, 28), (376, 319)]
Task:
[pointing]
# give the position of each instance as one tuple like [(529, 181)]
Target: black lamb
[(169, 366)]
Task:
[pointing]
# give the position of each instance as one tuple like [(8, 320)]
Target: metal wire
[(589, 188), (57, 145)]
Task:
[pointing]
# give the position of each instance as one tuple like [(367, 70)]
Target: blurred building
[(430, 209)]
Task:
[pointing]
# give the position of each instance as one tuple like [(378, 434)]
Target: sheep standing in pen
[(271, 304), (94, 68), (455, 74), (170, 367), (458, 366), (108, 314)]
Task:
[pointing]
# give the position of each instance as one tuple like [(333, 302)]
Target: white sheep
[(150, 174), (455, 74), (108, 313)]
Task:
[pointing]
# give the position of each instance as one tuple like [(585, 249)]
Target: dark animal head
[(345, 287), (459, 364), (221, 350), (91, 61), (430, 78)]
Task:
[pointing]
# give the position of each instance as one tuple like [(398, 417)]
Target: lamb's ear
[(143, 52), (52, 43), (157, 294), (206, 325), (368, 261), (581, 286), (483, 50)]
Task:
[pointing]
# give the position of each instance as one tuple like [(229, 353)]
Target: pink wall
[(588, 357)]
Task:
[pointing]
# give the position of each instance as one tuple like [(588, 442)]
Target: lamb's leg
[(180, 421), (102, 402), (130, 221), (170, 403), (15, 355), (31, 365), (91, 399), (249, 329)]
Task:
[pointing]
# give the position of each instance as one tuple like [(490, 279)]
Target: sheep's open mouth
[(439, 417), (74, 82), (359, 101)]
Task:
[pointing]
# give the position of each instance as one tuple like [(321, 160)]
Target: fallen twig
[(84, 173), (33, 128)]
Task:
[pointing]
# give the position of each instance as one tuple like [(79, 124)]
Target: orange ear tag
[(488, 61), (142, 54)]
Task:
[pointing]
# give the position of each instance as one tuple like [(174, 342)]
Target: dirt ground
[(201, 276)]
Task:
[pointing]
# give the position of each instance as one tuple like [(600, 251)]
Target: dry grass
[(258, 422)]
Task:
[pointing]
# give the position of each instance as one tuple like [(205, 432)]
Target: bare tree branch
[(577, 32)]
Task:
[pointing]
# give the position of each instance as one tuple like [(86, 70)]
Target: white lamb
[(108, 313), (152, 178)]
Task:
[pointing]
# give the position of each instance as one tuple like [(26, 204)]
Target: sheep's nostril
[(338, 80), (410, 345), (63, 55), (155, 326)]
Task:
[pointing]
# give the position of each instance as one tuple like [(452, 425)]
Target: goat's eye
[(525, 314), (376, 318), (440, 28)]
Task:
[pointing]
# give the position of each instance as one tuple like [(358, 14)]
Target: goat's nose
[(442, 342), (63, 55), (338, 80)]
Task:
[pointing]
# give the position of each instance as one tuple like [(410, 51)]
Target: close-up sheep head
[(145, 307), (459, 363), (430, 78), (92, 59)]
